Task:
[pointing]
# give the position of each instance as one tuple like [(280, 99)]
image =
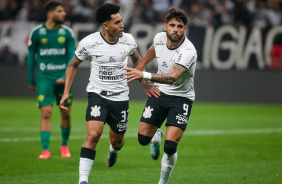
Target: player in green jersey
[(53, 45)]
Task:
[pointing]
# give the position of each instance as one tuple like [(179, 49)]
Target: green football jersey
[(52, 48)]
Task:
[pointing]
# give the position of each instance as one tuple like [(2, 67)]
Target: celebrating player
[(108, 53), (176, 58), (54, 45)]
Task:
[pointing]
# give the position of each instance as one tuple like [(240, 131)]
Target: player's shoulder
[(188, 46), (67, 29), (161, 35), (128, 37), (38, 29), (160, 38), (91, 38)]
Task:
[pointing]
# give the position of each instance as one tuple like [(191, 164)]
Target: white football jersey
[(186, 56), (106, 63)]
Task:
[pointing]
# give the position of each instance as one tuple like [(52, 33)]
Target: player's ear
[(105, 25), (165, 25)]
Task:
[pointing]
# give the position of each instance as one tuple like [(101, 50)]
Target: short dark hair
[(176, 14), (105, 11), (51, 5)]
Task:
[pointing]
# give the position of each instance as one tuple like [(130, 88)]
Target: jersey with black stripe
[(106, 63), (186, 56)]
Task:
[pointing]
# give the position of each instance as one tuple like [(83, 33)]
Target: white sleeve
[(133, 48), (187, 58), (81, 52)]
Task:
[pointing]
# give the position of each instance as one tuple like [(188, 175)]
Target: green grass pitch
[(223, 144)]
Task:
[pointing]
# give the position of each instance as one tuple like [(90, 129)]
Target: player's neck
[(173, 45), (51, 25), (108, 37)]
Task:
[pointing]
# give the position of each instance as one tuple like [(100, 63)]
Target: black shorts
[(114, 113), (176, 109)]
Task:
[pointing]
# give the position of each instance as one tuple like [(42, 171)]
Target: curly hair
[(176, 14), (105, 11)]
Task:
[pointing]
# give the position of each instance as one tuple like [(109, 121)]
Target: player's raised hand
[(63, 101), (132, 74)]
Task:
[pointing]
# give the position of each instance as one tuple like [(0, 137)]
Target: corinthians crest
[(147, 112), (95, 111)]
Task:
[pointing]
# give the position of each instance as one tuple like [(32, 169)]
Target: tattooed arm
[(70, 73), (167, 78), (136, 58)]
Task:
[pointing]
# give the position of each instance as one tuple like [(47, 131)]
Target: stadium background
[(238, 42), (234, 132)]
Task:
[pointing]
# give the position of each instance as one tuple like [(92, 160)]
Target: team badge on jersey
[(147, 112), (44, 40), (95, 111), (61, 39), (40, 98), (124, 55)]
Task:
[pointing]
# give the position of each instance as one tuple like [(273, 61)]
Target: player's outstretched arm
[(150, 55), (70, 73), (166, 78)]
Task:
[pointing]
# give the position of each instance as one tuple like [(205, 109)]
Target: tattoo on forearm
[(136, 59), (169, 78), (74, 64)]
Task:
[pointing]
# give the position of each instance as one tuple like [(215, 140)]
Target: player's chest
[(52, 40), (106, 53), (166, 58)]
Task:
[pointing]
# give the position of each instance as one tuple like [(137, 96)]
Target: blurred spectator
[(6, 56), (9, 9), (36, 11), (241, 13), (199, 15), (83, 10), (24, 11), (143, 12), (161, 7), (224, 13)]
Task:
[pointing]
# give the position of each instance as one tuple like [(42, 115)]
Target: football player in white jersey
[(108, 53), (176, 57)]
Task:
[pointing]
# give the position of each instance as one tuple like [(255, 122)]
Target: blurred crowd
[(201, 13)]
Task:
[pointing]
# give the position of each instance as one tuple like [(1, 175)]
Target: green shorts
[(47, 90)]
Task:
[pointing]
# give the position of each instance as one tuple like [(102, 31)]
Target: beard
[(174, 40), (58, 21)]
